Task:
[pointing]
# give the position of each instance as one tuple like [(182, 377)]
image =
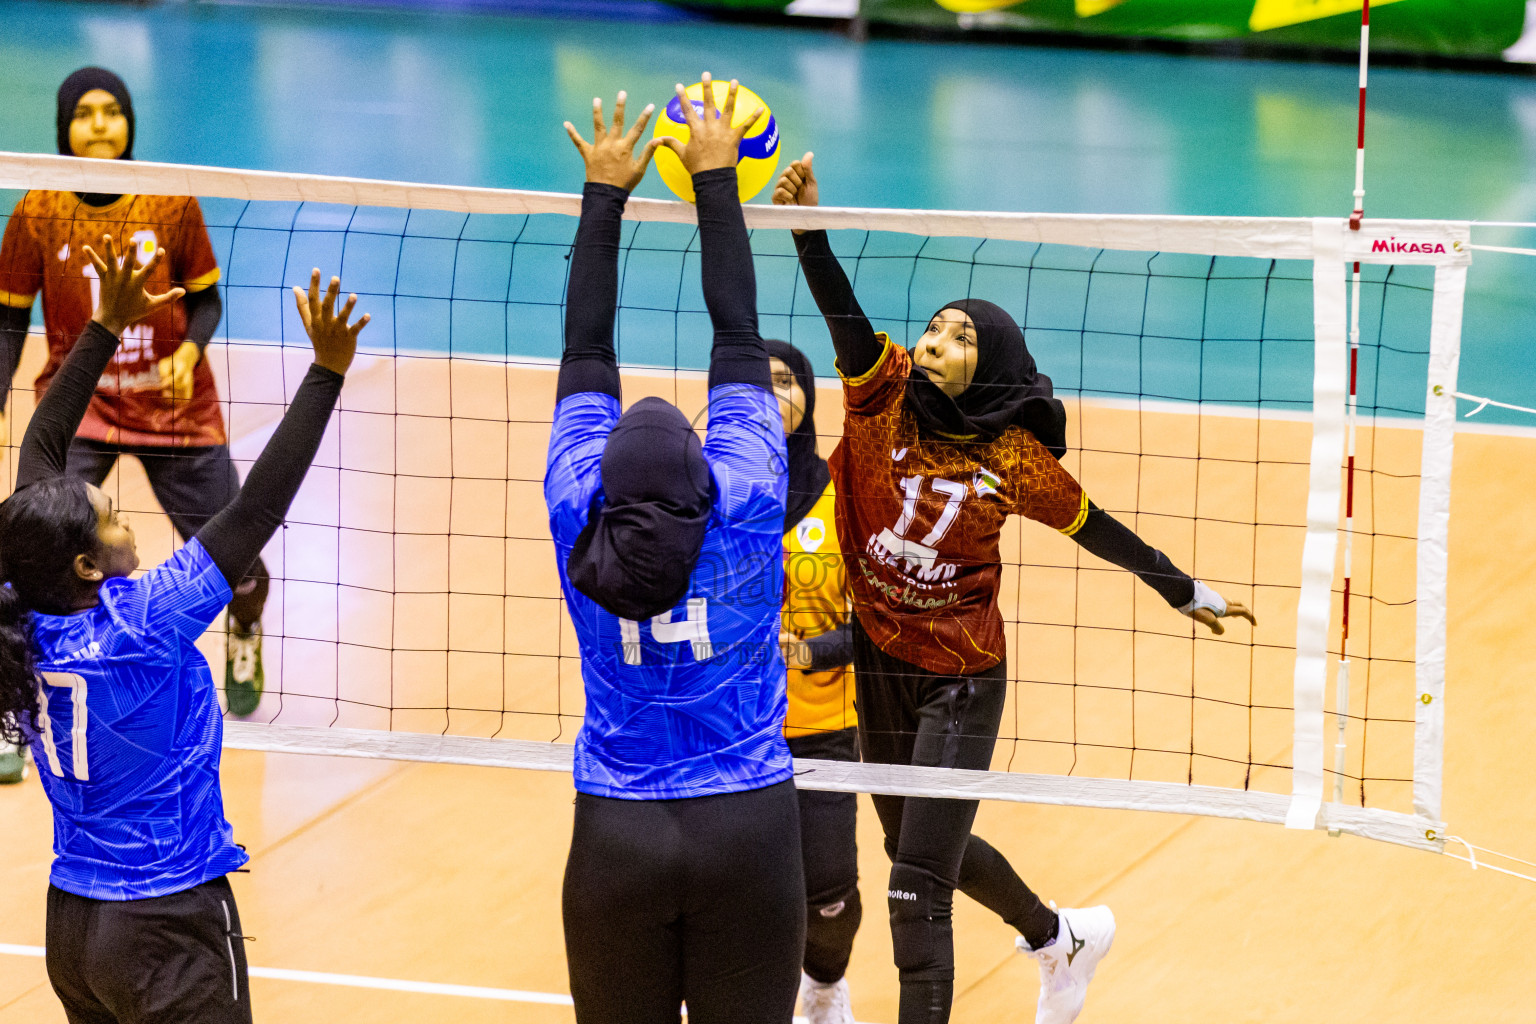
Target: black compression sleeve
[(203, 311), (592, 296), (46, 444), (13, 335), (738, 355), (1104, 535), (830, 650), (853, 337), (235, 536)]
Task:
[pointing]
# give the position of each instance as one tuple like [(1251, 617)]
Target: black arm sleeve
[(203, 311), (858, 349), (832, 649), (592, 296), (46, 444), (235, 536), (1104, 535), (730, 283), (13, 335)]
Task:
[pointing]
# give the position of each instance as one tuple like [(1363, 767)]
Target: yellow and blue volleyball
[(759, 153)]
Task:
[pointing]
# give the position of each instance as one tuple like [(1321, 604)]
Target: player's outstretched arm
[(858, 348), (738, 355), (592, 294), (1103, 535), (235, 536), (124, 301)]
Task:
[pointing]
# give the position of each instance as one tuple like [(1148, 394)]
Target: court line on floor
[(433, 988), (358, 981)]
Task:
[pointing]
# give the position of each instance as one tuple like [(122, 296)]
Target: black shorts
[(170, 958), (700, 900)]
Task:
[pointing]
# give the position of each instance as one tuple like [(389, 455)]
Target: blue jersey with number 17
[(690, 703), (128, 737)]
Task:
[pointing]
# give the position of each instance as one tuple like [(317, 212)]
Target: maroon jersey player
[(940, 445)]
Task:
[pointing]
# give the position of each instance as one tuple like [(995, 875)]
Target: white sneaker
[(1066, 965), (825, 1004)]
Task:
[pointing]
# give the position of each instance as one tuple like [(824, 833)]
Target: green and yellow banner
[(1455, 28)]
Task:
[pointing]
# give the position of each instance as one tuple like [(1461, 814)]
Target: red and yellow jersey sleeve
[(193, 263), (883, 384), (1042, 488), (21, 258)]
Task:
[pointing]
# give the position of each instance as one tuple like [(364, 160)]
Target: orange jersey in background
[(43, 251), (919, 519), (816, 602)]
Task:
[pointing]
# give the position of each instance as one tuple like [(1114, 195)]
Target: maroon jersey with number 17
[(919, 520)]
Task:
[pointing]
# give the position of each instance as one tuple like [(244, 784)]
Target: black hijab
[(808, 473), (642, 539), (1006, 389), (76, 86)]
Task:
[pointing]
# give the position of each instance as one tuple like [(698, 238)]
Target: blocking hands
[(712, 141), (797, 184), (124, 300), (610, 156), (334, 340)]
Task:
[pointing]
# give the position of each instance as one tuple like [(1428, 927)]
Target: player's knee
[(840, 910), (922, 936)]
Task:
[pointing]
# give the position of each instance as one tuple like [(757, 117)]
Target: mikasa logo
[(1393, 245)]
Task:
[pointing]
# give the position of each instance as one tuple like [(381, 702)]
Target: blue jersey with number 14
[(128, 737), (692, 702)]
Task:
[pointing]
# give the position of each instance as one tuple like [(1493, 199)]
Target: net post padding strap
[(1315, 605), (854, 777), (1404, 242), (1433, 530)]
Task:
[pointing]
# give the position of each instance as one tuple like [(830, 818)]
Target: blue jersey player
[(100, 675), (684, 880)]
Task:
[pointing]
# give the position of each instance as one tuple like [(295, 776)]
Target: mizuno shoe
[(825, 1004), (243, 676), (1067, 964)]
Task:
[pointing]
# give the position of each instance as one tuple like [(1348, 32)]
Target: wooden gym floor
[(419, 873)]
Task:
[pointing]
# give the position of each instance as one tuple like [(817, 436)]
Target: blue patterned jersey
[(692, 702), (128, 740)]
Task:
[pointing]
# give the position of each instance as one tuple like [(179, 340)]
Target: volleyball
[(759, 149)]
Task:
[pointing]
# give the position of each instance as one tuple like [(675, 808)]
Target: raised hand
[(712, 142), (797, 184), (610, 156), (124, 299), (333, 339)]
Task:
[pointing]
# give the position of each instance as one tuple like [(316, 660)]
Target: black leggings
[(830, 852), (698, 900), (908, 715)]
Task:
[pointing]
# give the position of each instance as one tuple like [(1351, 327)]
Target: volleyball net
[(1205, 364)]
